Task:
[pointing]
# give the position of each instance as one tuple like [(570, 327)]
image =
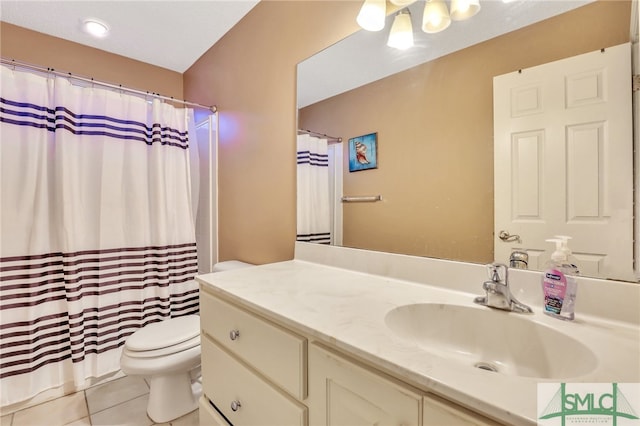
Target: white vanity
[(340, 336)]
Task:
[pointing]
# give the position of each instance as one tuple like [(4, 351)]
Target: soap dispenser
[(559, 284)]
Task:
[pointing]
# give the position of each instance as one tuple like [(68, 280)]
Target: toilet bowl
[(165, 352)]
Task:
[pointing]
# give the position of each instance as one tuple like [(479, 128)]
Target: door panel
[(564, 161)]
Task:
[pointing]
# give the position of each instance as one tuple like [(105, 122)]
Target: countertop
[(346, 309)]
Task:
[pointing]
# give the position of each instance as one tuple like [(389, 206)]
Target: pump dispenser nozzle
[(559, 254), (565, 245)]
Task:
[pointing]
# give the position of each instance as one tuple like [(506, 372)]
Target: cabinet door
[(438, 412), (342, 392)]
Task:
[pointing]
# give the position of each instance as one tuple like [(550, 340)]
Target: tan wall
[(435, 135), (40, 49), (250, 74)]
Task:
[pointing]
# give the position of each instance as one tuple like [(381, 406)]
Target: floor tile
[(130, 413), (85, 421), (60, 411), (96, 381), (191, 419), (6, 420), (115, 392)]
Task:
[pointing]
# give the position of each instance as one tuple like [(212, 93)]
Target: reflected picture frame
[(363, 152)]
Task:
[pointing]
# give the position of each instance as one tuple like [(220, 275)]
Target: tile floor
[(119, 402)]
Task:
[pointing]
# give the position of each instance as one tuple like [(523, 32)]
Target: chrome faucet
[(519, 259), (498, 295)]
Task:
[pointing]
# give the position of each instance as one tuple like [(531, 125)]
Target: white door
[(635, 35), (563, 161)]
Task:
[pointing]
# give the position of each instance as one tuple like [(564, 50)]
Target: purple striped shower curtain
[(97, 231)]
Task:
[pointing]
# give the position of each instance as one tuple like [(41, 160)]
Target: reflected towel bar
[(365, 199)]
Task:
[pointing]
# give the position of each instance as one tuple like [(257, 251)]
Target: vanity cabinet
[(253, 371), (209, 416), (257, 372), (344, 393), (437, 412)]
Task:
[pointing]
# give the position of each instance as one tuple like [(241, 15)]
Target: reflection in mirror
[(435, 127)]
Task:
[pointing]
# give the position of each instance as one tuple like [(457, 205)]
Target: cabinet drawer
[(208, 415), (231, 385), (275, 352)]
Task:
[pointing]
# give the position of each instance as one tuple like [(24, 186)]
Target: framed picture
[(363, 152)]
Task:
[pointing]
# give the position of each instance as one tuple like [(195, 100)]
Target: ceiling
[(364, 56), (173, 34), (142, 30)]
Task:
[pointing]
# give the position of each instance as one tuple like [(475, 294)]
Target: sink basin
[(499, 341)]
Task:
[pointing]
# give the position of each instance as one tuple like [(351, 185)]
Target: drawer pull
[(234, 334), (235, 405)]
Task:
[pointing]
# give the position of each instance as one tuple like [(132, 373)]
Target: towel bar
[(364, 199)]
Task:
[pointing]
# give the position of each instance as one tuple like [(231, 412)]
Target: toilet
[(228, 265), (168, 354), (165, 352)]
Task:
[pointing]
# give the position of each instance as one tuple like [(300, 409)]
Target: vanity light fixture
[(464, 9), (402, 3), (401, 34), (95, 28), (372, 15), (436, 17)]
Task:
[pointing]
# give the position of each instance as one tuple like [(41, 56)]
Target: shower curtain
[(314, 220), (97, 230)]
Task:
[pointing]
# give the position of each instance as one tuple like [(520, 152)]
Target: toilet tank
[(229, 265)]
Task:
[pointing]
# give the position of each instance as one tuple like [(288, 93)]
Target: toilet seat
[(167, 350), (164, 337)]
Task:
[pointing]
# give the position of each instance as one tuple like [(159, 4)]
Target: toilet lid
[(164, 334), (169, 350)]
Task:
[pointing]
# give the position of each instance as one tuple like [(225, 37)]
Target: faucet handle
[(498, 272)]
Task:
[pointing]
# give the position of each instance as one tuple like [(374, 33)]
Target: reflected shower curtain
[(313, 221), (97, 231)]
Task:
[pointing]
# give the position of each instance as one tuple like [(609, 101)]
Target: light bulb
[(436, 16), (401, 34), (464, 9), (372, 15), (402, 3)]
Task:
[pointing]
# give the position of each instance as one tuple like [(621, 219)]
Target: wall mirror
[(432, 107)]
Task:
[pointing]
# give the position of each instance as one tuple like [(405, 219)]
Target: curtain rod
[(14, 63), (309, 132)]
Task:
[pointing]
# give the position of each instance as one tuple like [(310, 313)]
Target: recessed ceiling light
[(95, 28)]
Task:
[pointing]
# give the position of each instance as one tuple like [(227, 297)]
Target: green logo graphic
[(564, 404)]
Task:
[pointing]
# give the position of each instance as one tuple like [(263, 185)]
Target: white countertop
[(347, 309)]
